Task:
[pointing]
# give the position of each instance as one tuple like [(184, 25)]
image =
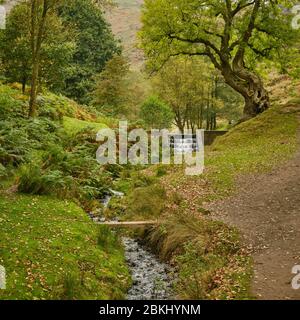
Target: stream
[(151, 279)]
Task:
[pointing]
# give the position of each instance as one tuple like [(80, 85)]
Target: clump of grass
[(71, 283), (211, 262), (161, 171), (140, 180), (107, 239), (147, 203), (176, 198)]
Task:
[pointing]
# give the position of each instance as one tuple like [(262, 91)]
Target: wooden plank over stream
[(132, 224)]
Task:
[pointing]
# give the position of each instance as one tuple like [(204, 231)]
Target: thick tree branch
[(238, 60), (263, 53), (205, 42)]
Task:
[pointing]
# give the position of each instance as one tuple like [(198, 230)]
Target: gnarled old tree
[(231, 33)]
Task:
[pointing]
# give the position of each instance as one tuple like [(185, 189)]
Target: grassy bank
[(51, 250), (255, 146), (252, 147), (208, 255)]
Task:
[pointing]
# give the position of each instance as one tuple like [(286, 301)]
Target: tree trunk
[(208, 115), (179, 121), (256, 102), (251, 87), (37, 33), (33, 90), (215, 122), (24, 85)]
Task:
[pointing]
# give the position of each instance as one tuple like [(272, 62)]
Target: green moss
[(51, 250)]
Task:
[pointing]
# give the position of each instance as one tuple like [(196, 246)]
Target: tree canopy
[(95, 45), (16, 53), (230, 33), (156, 114), (110, 94), (188, 86)]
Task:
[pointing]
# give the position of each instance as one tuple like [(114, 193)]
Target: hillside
[(125, 22)]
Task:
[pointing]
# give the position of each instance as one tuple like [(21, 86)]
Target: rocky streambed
[(151, 279)]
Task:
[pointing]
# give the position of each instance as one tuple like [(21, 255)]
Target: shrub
[(33, 180), (156, 114), (3, 171), (19, 138), (68, 169), (161, 171), (140, 180), (14, 144), (95, 186), (55, 107), (115, 170), (10, 107), (71, 283)]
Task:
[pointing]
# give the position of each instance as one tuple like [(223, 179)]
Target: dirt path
[(267, 211)]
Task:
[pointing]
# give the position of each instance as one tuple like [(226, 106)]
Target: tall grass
[(108, 239), (210, 260)]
